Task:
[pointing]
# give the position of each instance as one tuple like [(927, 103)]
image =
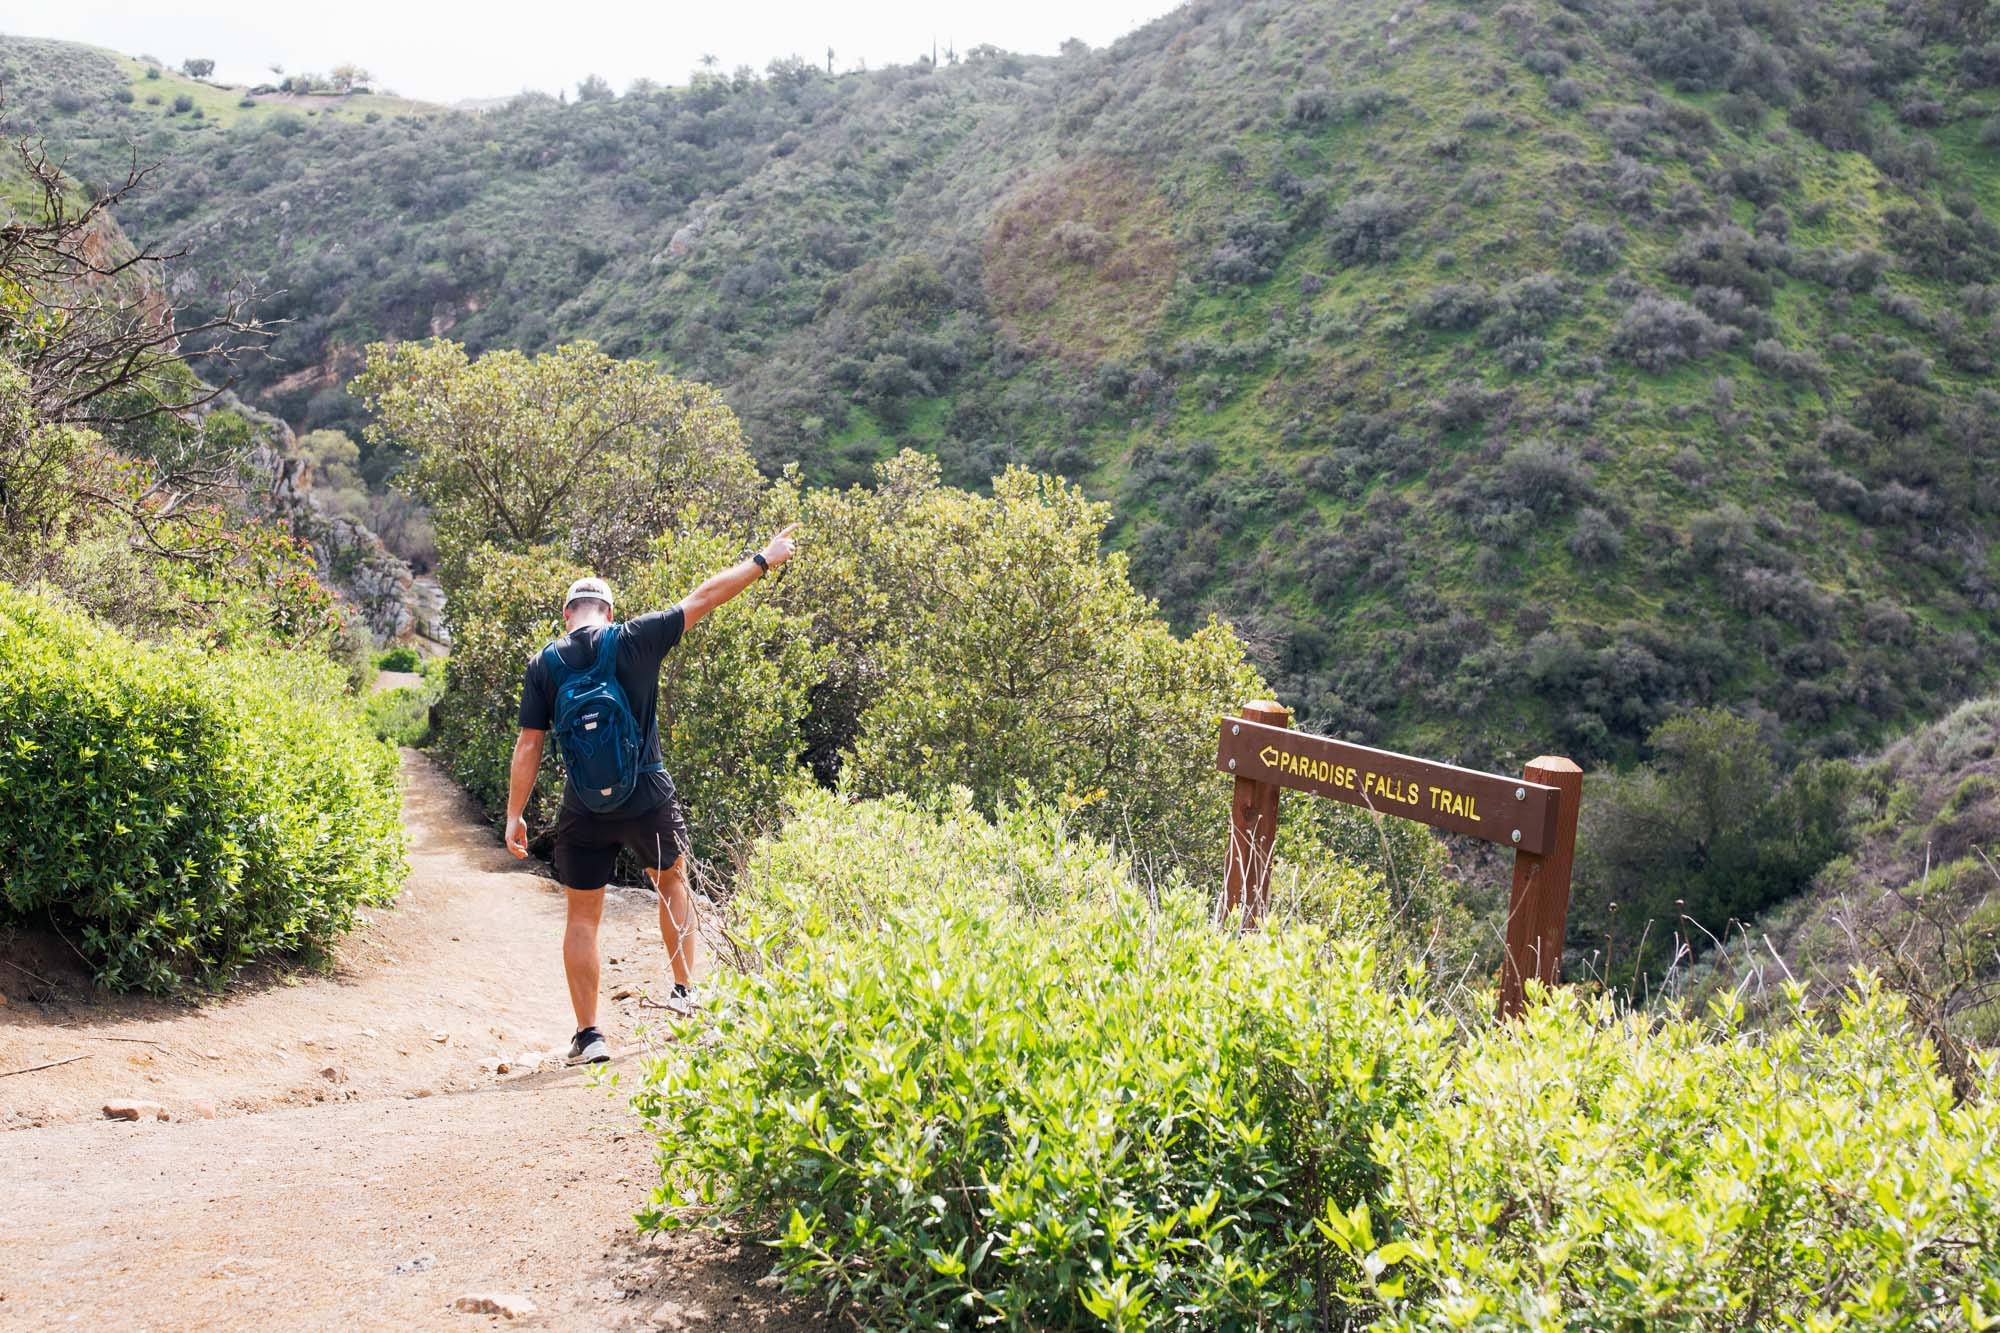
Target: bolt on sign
[(1534, 814)]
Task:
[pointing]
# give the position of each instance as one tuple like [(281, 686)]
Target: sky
[(451, 52)]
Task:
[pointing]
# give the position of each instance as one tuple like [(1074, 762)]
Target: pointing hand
[(779, 549)]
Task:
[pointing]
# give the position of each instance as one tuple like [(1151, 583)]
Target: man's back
[(643, 643)]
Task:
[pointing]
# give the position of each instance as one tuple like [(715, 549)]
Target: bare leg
[(677, 926), (580, 953)]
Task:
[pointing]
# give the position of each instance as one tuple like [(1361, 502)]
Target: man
[(649, 823)]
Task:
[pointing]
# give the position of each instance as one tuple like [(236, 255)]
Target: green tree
[(197, 69), (1676, 851), (571, 448), (989, 643)]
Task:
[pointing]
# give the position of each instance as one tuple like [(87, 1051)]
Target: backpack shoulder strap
[(607, 654), (553, 663), (600, 669)]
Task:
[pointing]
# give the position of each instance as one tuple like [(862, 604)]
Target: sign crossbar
[(1508, 810), (1534, 814)]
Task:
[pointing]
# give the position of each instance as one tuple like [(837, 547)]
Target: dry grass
[(1078, 263)]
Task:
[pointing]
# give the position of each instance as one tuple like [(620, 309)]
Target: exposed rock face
[(352, 560), (427, 598)]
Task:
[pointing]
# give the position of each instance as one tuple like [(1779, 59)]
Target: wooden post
[(1538, 908), (1253, 828)]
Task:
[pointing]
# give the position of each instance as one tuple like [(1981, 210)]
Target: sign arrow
[(1269, 754)]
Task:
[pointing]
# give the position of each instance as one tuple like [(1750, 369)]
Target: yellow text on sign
[(1371, 785)]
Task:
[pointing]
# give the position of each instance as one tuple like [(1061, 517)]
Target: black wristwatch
[(762, 563)]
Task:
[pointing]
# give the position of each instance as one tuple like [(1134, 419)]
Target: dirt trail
[(345, 1149)]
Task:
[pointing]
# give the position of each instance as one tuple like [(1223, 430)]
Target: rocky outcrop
[(352, 561)]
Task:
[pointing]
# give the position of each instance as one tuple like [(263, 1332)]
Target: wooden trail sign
[(1535, 814)]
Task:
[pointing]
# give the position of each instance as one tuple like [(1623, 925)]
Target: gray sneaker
[(587, 1048), (685, 1000)]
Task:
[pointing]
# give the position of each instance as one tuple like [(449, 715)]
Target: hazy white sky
[(445, 52)]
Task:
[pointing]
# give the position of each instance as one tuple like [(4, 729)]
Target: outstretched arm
[(520, 782), (719, 588)]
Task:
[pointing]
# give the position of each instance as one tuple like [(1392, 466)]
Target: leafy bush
[(183, 813), (1452, 305), (509, 608), (1658, 332), (1586, 1169), (1131, 1122), (1590, 247), (402, 716), (1309, 106), (1803, 367), (988, 643), (1364, 229), (1673, 853), (183, 104), (970, 1075), (1251, 247), (569, 447), (400, 658)]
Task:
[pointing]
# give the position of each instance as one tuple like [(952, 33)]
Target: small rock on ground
[(506, 1304), (128, 1109)]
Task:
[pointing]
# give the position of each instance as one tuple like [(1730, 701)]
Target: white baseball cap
[(591, 587)]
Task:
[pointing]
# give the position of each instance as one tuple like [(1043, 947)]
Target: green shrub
[(400, 658), (177, 813), (1584, 1169), (987, 642), (403, 716), (506, 610), (979, 1078), (969, 1075)]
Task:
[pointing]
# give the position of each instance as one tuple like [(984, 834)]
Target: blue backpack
[(596, 734)]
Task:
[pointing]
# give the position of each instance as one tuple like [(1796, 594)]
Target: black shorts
[(587, 844)]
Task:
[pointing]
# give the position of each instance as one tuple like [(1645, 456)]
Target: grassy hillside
[(106, 100), (1512, 376), (1918, 898)]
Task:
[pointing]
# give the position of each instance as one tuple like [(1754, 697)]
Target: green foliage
[(985, 642), (571, 448), (970, 1074), (1916, 896), (512, 604), (82, 516), (732, 695), (400, 658), (978, 1077), (179, 813), (1066, 263), (1582, 1169), (402, 716), (1677, 853)]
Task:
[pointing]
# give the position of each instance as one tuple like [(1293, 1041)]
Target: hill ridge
[(1517, 376)]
